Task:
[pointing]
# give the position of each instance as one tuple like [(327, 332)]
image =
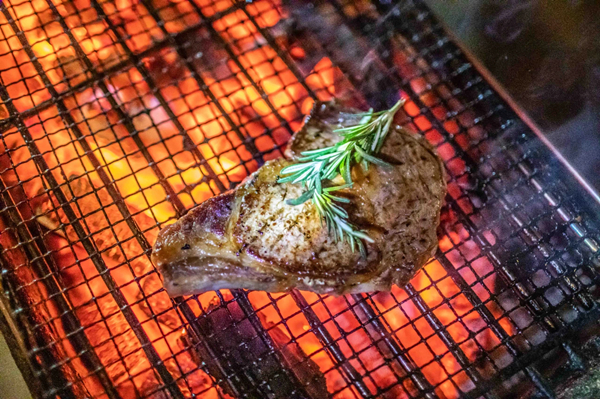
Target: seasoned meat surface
[(250, 238)]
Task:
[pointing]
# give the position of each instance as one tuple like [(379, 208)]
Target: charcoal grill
[(119, 116)]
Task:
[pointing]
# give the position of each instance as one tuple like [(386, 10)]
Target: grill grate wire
[(507, 139)]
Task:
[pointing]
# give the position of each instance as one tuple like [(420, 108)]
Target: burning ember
[(142, 109)]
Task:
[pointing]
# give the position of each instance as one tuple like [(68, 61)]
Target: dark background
[(546, 54)]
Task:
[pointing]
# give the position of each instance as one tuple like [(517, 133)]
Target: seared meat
[(250, 238)]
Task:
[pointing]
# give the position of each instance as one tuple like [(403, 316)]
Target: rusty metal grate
[(118, 117)]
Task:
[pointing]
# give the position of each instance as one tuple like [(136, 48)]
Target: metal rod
[(109, 184), (246, 306), (516, 108), (218, 38), (206, 352), (153, 87), (521, 290), (158, 45), (12, 327), (466, 289), (240, 295), (43, 378), (431, 318), (563, 273), (395, 19), (418, 378), (394, 346), (146, 247), (81, 138), (329, 343), (542, 386), (437, 325), (122, 207), (478, 305), (528, 297), (416, 375), (444, 335), (309, 313), (283, 55), (175, 42), (470, 165), (539, 382), (552, 341), (49, 276), (96, 258)]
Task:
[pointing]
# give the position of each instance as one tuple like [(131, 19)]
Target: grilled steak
[(250, 238)]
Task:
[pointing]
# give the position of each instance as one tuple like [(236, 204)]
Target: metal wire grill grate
[(121, 116)]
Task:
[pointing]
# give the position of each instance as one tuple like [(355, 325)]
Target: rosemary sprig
[(360, 142)]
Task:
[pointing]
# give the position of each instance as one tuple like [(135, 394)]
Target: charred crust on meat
[(212, 214), (249, 238)]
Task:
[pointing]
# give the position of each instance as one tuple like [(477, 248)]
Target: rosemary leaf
[(337, 188), (301, 199), (360, 143), (370, 158)]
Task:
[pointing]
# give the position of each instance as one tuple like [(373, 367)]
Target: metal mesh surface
[(120, 116)]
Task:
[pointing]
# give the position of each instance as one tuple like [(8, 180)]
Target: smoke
[(509, 19)]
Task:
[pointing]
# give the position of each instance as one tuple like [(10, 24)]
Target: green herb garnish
[(360, 142)]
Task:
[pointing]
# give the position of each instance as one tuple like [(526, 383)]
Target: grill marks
[(290, 244), (286, 234)]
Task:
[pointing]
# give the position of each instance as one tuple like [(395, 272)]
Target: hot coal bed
[(117, 117)]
